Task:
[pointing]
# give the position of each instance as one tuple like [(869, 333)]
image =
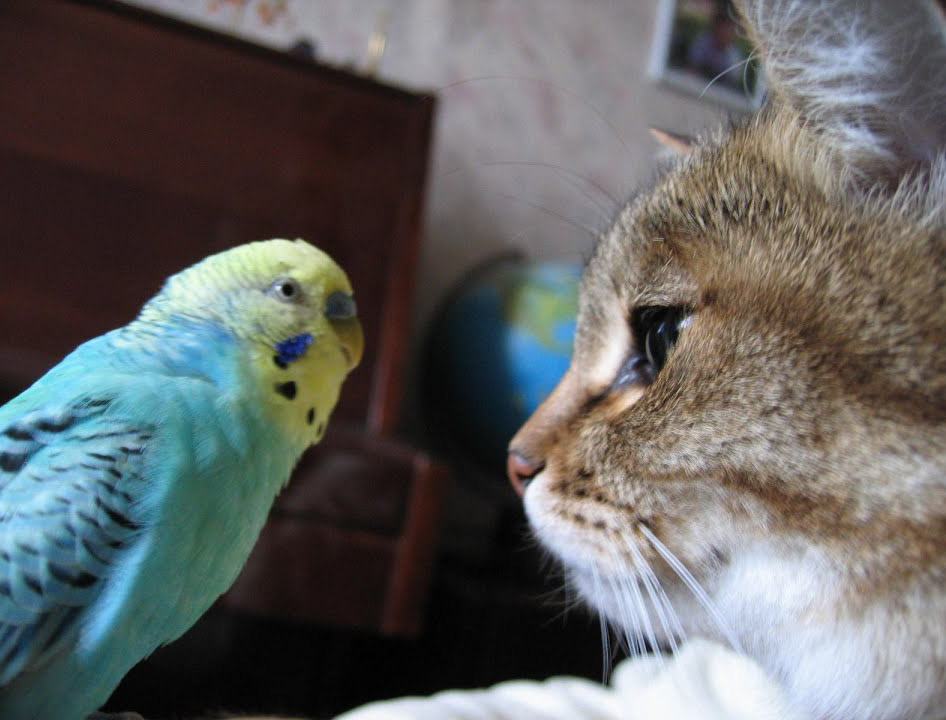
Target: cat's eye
[(656, 330), (340, 306)]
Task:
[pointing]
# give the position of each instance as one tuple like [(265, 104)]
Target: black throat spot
[(287, 389)]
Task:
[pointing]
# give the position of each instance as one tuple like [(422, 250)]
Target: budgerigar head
[(291, 311)]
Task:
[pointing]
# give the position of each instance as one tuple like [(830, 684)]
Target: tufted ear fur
[(868, 76)]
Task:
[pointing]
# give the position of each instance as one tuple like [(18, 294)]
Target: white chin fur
[(571, 545), (782, 605)]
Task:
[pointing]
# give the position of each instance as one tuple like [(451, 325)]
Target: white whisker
[(694, 586), (647, 575), (605, 631), (627, 589), (678, 630), (630, 579), (624, 639), (630, 621), (605, 213), (676, 627), (574, 175), (725, 72), (569, 601), (591, 232)]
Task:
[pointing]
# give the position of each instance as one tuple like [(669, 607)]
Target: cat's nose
[(521, 470)]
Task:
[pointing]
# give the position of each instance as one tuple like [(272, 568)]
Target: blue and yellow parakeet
[(136, 475)]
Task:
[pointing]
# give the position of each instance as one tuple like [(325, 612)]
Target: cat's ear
[(868, 76), (675, 143)]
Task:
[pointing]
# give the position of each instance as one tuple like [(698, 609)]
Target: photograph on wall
[(699, 48)]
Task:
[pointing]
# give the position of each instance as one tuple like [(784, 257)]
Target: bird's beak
[(352, 340)]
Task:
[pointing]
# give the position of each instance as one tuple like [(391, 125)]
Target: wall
[(544, 111)]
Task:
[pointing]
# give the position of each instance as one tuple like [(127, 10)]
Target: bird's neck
[(180, 348), (276, 399)]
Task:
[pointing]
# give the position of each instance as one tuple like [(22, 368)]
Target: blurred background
[(457, 157)]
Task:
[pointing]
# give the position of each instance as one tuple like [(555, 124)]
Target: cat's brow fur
[(792, 451)]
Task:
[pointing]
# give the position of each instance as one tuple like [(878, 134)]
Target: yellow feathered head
[(291, 306)]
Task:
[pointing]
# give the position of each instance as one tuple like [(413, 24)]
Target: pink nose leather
[(521, 471)]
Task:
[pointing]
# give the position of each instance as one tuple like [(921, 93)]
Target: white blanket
[(703, 681)]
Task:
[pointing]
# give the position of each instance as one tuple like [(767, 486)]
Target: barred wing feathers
[(69, 476)]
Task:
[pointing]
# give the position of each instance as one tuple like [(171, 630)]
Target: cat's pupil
[(658, 342), (657, 329)]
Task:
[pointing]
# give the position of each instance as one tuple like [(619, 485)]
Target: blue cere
[(293, 348)]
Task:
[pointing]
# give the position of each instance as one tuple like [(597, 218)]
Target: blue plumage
[(136, 475), (125, 511), (65, 515)]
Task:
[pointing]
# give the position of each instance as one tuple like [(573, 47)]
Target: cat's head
[(751, 440)]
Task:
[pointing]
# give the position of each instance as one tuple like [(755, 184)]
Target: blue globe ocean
[(501, 346)]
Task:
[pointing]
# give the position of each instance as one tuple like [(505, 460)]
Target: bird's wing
[(69, 476)]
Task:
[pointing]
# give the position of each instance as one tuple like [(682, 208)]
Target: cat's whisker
[(752, 58), (629, 591), (562, 613), (593, 234), (605, 212), (647, 575), (630, 579), (606, 656), (694, 586), (734, 66), (677, 630), (633, 637), (561, 595), (570, 601), (631, 627), (587, 181), (622, 640)]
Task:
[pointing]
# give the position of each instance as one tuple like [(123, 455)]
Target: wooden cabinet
[(131, 146)]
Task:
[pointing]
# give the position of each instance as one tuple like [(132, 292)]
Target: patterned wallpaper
[(544, 109)]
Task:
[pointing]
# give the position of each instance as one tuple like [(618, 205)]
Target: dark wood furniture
[(352, 538), (131, 146)]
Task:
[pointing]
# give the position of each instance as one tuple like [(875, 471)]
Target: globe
[(500, 346)]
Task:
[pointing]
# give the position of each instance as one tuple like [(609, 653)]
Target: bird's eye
[(340, 306), (286, 289), (656, 330)]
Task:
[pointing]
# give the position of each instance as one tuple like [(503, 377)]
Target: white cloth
[(704, 681)]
